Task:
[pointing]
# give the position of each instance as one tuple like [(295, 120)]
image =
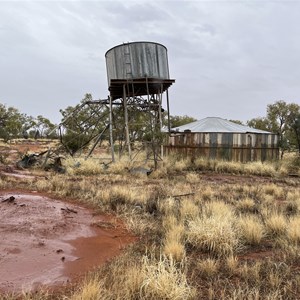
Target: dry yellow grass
[(232, 264), (165, 280), (180, 165), (246, 205), (124, 281), (215, 235), (229, 167), (81, 166), (261, 169), (208, 267), (169, 206), (275, 278), (159, 173), (251, 272), (291, 163), (251, 230), (267, 201), (173, 241), (138, 225), (91, 289), (192, 177), (174, 248), (293, 202), (207, 193), (218, 209), (188, 210), (250, 168), (215, 221), (276, 224), (273, 190), (170, 221), (172, 164), (205, 164), (293, 230)]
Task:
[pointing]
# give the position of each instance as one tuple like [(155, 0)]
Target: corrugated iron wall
[(137, 60), (241, 147)]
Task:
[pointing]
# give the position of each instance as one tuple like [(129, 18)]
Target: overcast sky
[(230, 59)]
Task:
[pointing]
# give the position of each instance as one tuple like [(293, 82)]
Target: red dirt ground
[(50, 242), (44, 241)]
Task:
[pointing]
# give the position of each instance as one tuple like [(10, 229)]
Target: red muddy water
[(49, 242)]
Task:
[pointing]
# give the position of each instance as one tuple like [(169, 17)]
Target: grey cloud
[(229, 58)]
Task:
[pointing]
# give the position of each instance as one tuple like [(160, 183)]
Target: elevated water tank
[(137, 60)]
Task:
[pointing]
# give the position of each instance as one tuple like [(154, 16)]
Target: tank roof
[(138, 42), (216, 124)]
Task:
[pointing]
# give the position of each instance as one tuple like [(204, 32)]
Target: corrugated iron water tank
[(137, 60), (216, 138)]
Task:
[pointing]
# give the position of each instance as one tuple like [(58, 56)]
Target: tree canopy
[(281, 118), (14, 124), (89, 120), (176, 121)]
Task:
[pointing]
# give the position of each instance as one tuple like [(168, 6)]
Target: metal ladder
[(127, 61)]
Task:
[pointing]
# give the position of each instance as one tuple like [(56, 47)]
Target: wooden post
[(126, 121), (160, 121), (168, 108), (159, 109), (111, 131)]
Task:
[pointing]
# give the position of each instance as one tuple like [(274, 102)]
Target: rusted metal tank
[(137, 60)]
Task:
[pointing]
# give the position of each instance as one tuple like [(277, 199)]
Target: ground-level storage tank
[(137, 60), (216, 138)]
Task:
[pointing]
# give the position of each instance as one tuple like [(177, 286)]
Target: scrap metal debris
[(69, 210), (48, 160), (139, 170), (10, 199), (28, 160), (56, 165)]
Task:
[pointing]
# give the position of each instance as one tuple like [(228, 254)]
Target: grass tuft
[(251, 230), (208, 267), (293, 230), (165, 280), (91, 289), (246, 205), (276, 224), (214, 235)]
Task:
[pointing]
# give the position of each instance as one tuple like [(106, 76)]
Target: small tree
[(237, 122), (260, 123), (43, 126), (176, 121), (12, 123), (296, 128), (282, 118)]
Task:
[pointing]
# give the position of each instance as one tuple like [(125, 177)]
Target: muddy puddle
[(44, 241)]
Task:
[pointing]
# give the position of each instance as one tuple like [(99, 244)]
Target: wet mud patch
[(48, 242)]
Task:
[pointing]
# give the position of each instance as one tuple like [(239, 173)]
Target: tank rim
[(139, 42)]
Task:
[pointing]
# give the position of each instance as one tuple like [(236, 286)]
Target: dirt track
[(45, 241)]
